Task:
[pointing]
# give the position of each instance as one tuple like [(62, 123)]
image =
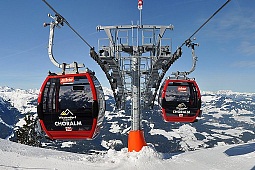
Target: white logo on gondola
[(181, 108), (66, 113), (68, 119), (71, 123)]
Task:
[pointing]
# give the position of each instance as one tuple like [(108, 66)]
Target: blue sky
[(226, 55)]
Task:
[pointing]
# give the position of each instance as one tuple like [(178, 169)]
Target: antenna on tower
[(140, 7)]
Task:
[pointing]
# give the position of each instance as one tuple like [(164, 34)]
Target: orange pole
[(136, 140)]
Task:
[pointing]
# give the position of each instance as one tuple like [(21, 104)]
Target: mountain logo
[(181, 106), (66, 113), (181, 109), (67, 116)]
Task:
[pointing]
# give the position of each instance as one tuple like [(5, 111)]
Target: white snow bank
[(17, 156)]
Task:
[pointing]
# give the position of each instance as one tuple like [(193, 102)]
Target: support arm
[(189, 43), (63, 66)]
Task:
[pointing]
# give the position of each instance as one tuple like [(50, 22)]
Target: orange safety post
[(136, 140)]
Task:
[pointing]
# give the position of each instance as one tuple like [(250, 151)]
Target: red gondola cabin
[(71, 106), (180, 100)]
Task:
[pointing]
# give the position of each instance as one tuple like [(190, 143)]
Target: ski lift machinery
[(121, 60), (70, 105)]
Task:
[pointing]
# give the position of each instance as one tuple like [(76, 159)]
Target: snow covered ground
[(18, 156), (228, 118)]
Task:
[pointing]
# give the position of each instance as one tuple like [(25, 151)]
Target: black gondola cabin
[(180, 100), (71, 106)]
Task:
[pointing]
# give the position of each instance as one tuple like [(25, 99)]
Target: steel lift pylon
[(135, 59)]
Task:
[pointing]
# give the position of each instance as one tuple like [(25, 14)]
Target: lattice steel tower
[(135, 59)]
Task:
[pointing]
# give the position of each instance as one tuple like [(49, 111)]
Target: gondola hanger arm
[(57, 21), (189, 43), (63, 20), (194, 62)]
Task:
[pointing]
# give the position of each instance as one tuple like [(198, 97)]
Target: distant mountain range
[(228, 117)]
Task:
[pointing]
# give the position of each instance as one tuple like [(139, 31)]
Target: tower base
[(136, 140)]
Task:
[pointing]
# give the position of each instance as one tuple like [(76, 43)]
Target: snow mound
[(17, 156)]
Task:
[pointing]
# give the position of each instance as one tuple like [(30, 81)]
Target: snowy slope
[(17, 156), (228, 118), (9, 116), (23, 100)]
